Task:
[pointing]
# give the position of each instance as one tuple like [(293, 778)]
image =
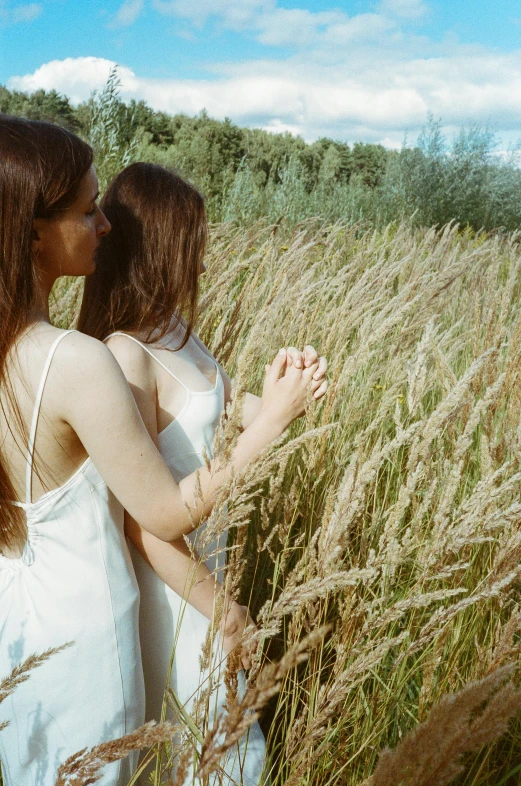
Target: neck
[(40, 309)]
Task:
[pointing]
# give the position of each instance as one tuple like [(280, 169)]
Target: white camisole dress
[(165, 619), (73, 583)]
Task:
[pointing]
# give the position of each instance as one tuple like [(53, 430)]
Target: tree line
[(247, 173), (210, 150)]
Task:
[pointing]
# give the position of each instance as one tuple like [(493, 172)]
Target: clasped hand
[(312, 369)]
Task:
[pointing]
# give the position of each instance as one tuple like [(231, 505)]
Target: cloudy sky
[(354, 70)]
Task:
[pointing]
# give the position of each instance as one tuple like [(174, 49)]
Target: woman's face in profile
[(66, 245)]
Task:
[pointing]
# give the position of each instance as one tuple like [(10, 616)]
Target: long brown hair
[(41, 168), (147, 268)]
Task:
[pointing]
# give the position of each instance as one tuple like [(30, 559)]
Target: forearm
[(170, 510), (199, 490), (175, 565), (250, 409), (173, 562)]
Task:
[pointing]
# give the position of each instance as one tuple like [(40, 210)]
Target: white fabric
[(165, 618), (73, 583)]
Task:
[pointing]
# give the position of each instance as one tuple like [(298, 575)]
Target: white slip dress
[(167, 620), (73, 583)]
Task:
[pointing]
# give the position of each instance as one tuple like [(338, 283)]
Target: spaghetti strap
[(36, 415), (149, 351), (73, 582), (186, 445)]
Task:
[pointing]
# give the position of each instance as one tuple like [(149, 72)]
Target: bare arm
[(97, 403), (252, 403), (173, 563), (180, 568)]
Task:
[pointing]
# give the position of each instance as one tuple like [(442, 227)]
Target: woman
[(146, 276), (74, 453)]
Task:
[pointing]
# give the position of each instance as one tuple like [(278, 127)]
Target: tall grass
[(379, 544), (386, 524), (399, 526)]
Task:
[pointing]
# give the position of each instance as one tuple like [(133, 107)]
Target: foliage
[(40, 105), (107, 122), (466, 182), (248, 173)]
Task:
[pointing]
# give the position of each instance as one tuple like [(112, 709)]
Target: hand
[(284, 398), (233, 625), (308, 357)]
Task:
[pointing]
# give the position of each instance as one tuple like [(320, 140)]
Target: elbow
[(168, 519), (174, 528)]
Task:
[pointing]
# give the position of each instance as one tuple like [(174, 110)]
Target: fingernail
[(282, 351), (298, 363)]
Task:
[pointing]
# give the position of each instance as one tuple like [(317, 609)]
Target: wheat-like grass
[(390, 512), (85, 767), (22, 673), (431, 754), (398, 526)]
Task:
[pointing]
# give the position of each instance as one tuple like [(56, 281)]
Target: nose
[(104, 226)]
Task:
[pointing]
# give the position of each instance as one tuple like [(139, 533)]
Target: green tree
[(108, 126), (370, 162), (40, 105)]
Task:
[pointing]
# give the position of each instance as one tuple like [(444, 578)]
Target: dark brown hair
[(41, 168), (147, 268)]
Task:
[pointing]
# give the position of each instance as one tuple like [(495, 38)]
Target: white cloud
[(276, 126), (274, 25), (391, 143), (345, 99), (75, 77), (236, 14), (295, 26), (20, 13), (129, 12), (274, 99), (26, 13), (406, 9)]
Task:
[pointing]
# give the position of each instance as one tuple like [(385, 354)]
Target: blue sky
[(363, 69)]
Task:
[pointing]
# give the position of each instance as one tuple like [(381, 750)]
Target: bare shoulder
[(201, 345), (80, 356), (83, 374), (133, 359)]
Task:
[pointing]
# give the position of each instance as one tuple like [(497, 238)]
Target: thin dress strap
[(36, 415), (144, 346)]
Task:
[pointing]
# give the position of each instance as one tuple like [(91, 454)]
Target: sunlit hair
[(41, 169), (147, 268)]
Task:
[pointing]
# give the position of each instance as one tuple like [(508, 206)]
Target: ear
[(37, 236)]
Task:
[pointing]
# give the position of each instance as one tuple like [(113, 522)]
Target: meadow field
[(378, 544)]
